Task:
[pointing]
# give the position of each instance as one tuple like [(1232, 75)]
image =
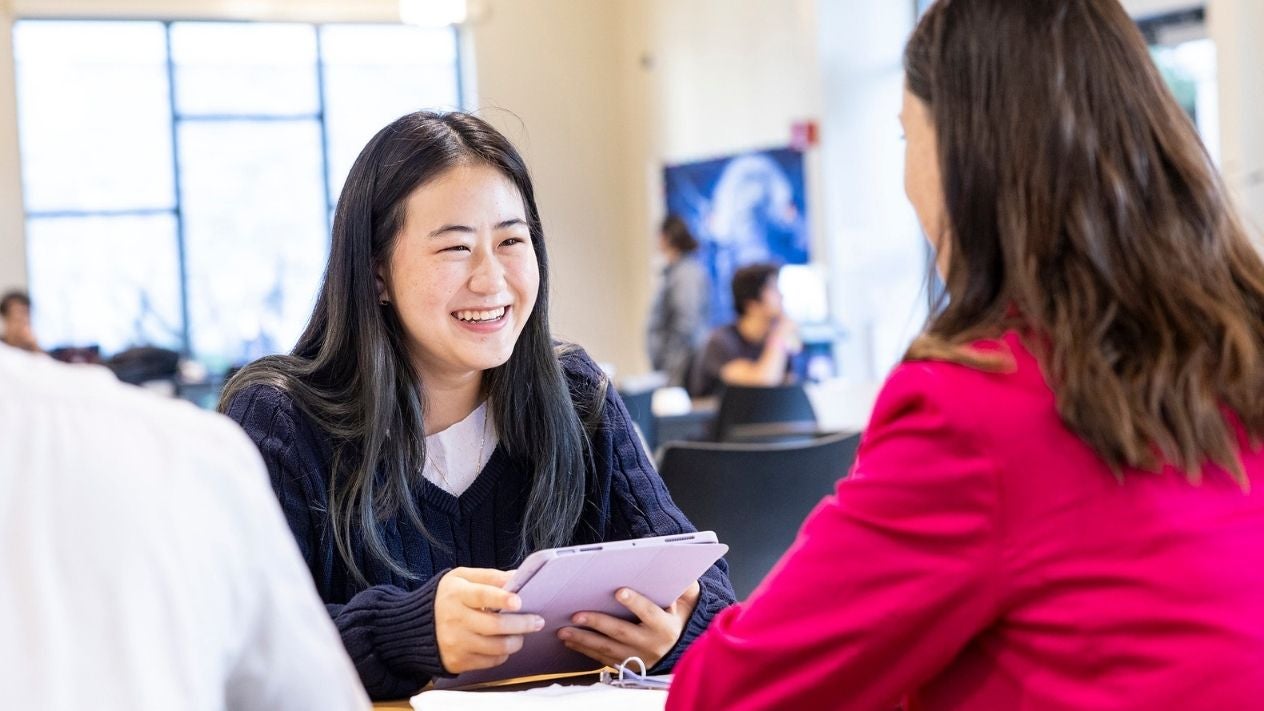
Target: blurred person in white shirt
[(145, 563)]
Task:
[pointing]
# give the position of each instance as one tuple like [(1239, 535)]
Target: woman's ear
[(380, 281)]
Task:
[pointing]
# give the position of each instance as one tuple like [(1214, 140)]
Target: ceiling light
[(432, 13)]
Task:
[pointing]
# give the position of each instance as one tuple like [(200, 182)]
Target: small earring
[(383, 302)]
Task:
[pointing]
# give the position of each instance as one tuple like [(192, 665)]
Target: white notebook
[(549, 698)]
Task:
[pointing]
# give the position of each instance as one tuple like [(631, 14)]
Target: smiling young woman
[(427, 432)]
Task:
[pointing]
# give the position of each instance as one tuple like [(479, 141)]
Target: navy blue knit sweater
[(388, 626)]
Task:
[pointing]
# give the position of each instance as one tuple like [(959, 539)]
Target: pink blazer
[(980, 556)]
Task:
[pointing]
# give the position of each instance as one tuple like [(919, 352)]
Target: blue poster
[(743, 209)]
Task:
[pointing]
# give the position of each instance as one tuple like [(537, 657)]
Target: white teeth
[(477, 316)]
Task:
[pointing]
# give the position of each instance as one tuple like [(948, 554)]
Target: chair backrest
[(639, 406), (145, 363), (761, 405), (754, 496)]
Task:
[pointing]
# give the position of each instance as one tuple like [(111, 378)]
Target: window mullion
[(323, 117), (181, 253)]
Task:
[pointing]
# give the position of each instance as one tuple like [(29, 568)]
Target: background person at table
[(757, 348), (146, 566), (15, 311), (1052, 507), (427, 433), (678, 316)]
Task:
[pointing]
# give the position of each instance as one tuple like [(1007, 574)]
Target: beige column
[(1235, 26), (12, 219)]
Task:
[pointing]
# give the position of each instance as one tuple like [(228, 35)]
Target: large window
[(179, 177)]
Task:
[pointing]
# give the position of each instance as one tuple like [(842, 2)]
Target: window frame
[(177, 118)]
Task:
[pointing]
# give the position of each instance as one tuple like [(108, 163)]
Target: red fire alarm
[(803, 135)]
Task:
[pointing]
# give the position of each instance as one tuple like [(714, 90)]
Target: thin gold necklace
[(482, 442)]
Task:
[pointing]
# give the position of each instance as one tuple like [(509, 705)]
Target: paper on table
[(549, 698)]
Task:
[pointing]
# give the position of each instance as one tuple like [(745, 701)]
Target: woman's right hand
[(470, 627)]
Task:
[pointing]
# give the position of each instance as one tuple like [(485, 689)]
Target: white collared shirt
[(456, 456), (144, 561)]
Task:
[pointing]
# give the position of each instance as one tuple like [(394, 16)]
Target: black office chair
[(741, 407), (145, 363), (754, 496), (639, 408)]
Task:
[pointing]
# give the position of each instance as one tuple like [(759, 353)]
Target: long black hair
[(351, 371)]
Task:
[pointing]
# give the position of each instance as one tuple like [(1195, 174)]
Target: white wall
[(703, 79), (546, 77), (724, 75), (879, 260), (1235, 27)]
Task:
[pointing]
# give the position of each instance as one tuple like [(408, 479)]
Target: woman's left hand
[(611, 640)]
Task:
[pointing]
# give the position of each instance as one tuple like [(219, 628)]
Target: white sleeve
[(291, 656)]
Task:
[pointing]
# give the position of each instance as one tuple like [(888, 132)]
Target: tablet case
[(559, 582)]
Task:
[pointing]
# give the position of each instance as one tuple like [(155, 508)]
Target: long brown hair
[(1080, 199)]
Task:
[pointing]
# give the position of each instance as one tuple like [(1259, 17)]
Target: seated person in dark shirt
[(755, 350)]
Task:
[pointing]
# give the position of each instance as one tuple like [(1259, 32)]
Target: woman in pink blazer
[(1052, 507)]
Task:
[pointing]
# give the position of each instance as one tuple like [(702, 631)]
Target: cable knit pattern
[(388, 626)]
